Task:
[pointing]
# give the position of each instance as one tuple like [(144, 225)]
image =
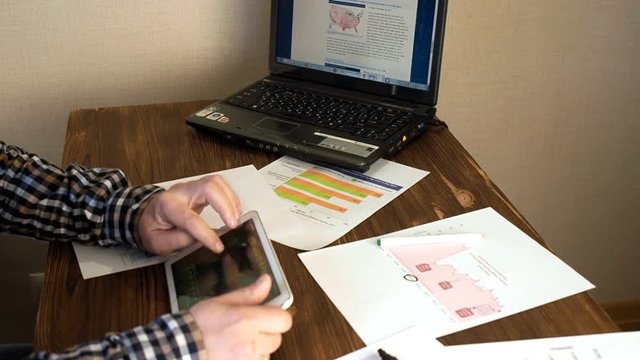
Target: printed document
[(459, 272), (327, 202), (608, 346), (410, 344), (414, 344), (254, 195)]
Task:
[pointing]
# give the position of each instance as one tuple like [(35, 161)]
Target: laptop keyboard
[(360, 119)]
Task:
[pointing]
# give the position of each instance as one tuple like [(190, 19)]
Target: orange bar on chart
[(300, 197), (339, 184), (318, 190)]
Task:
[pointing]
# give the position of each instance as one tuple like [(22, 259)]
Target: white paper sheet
[(254, 194), (410, 344), (609, 346), (414, 344), (505, 273), (96, 261), (329, 202)]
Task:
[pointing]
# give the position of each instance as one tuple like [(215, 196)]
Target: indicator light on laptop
[(404, 138)]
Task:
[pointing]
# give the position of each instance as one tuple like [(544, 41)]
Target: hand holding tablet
[(225, 292), (196, 273), (234, 326)]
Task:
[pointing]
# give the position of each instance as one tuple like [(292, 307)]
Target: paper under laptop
[(350, 82)]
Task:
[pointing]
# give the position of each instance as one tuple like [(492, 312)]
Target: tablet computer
[(197, 273)]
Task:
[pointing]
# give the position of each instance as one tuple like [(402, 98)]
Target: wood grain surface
[(152, 143)]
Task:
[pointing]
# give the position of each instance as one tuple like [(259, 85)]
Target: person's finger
[(231, 271), (267, 344), (181, 216), (271, 320), (167, 241), (222, 202), (196, 194), (233, 197), (253, 294)]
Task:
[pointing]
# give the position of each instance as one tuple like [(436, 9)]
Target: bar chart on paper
[(449, 272), (328, 201), (330, 195), (318, 188)]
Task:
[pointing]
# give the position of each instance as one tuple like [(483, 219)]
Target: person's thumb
[(253, 294)]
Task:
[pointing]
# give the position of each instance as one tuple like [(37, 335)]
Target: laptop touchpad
[(275, 125)]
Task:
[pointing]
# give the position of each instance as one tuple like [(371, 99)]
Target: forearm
[(41, 200), (168, 337)]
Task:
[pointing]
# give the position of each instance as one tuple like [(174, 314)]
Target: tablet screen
[(203, 274)]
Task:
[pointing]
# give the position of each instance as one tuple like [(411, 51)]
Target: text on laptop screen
[(388, 41)]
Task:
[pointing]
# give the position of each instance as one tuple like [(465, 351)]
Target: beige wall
[(542, 93), (56, 56), (545, 96)]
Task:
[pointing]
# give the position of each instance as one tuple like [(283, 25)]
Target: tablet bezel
[(283, 300)]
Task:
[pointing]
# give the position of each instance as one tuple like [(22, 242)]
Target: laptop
[(350, 81)]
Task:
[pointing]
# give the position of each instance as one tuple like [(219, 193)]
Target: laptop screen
[(385, 41)]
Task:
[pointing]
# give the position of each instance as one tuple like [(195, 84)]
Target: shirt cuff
[(123, 213), (196, 334), (171, 336)]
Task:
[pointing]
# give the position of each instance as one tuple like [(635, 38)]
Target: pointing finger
[(222, 203), (181, 216), (231, 195)]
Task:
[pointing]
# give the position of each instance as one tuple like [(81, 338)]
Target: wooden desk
[(152, 144)]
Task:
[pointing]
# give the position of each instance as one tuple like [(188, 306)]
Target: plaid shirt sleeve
[(168, 337), (94, 206)]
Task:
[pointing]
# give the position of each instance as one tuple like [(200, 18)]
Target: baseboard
[(626, 314)]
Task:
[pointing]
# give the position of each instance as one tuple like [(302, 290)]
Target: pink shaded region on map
[(344, 18), (457, 292)]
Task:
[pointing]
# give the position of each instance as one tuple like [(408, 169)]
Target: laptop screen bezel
[(428, 97)]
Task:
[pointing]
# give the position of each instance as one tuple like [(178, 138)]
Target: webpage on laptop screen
[(388, 41)]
